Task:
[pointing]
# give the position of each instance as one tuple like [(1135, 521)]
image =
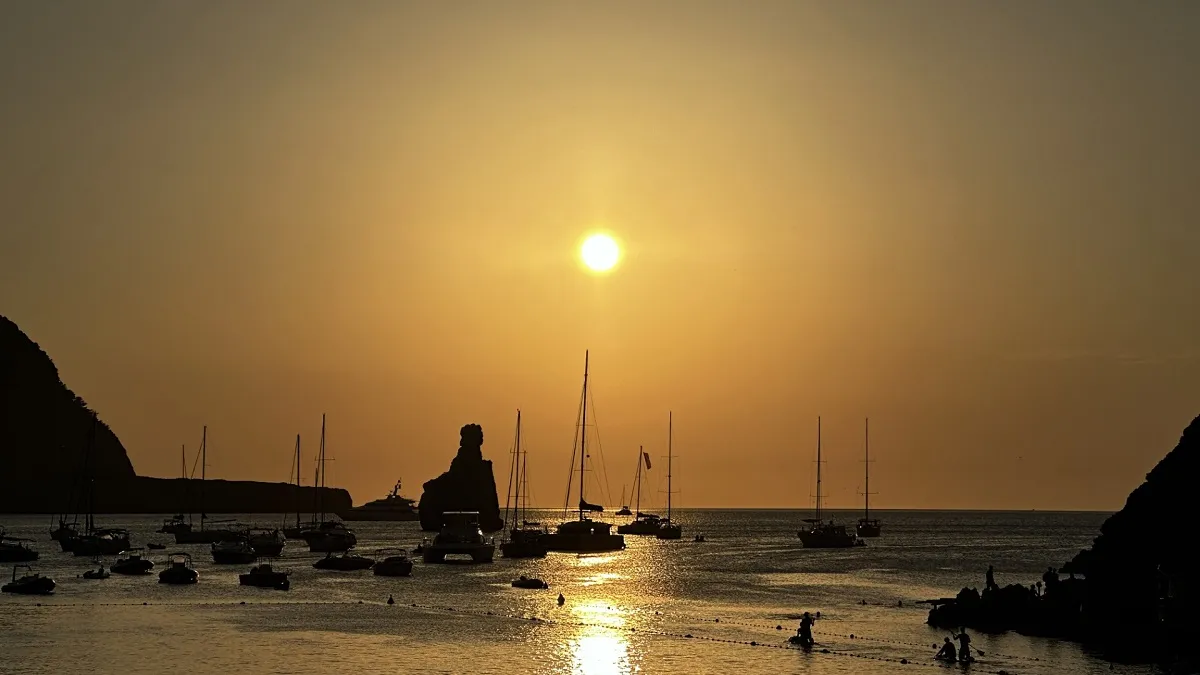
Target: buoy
[(778, 627), (904, 662), (391, 601)]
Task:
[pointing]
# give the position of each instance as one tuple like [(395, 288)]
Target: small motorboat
[(530, 582), (178, 523), (237, 552), (29, 584), (398, 565), (15, 550), (156, 547), (262, 576), (99, 573), (131, 562), (179, 571), (346, 562)]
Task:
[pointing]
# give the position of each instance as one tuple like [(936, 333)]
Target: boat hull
[(869, 528), (523, 549), (477, 553), (819, 540), (640, 527), (398, 568), (669, 532), (132, 568), (206, 536), (36, 586), (17, 554), (276, 580), (380, 516), (583, 542), (94, 546), (344, 563), (331, 544), (233, 557)]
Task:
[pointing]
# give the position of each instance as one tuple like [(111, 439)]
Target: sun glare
[(600, 252)]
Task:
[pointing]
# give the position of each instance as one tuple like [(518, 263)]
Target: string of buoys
[(851, 636), (561, 622)]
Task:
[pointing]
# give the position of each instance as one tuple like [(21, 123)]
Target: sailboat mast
[(818, 468), (296, 501), (203, 472), (183, 475), (321, 471), (583, 435), (517, 488), (638, 478), (670, 436), (867, 470)]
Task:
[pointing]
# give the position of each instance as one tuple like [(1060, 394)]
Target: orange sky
[(974, 222)]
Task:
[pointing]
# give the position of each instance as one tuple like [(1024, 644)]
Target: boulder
[(469, 485)]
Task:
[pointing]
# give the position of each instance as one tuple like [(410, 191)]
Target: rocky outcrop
[(1142, 554), (45, 429), (1133, 599), (469, 485), (44, 426)]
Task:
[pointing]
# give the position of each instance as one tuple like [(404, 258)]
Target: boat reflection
[(598, 651)]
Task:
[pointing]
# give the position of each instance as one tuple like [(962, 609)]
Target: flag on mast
[(646, 456)]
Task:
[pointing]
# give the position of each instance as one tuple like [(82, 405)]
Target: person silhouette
[(947, 652), (561, 600), (391, 601), (964, 645), (804, 632), (991, 577)]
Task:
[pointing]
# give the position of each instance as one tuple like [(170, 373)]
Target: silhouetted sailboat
[(296, 532), (867, 526), (525, 539), (624, 510), (179, 522), (668, 529), (584, 535), (93, 541), (643, 523), (819, 533), (205, 534), (328, 536)]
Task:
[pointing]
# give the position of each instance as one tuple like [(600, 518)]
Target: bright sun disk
[(600, 252)]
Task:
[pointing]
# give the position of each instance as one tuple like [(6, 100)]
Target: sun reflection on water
[(599, 652)]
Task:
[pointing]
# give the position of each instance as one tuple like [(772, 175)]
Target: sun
[(600, 252)]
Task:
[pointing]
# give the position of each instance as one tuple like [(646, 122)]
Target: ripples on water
[(626, 612)]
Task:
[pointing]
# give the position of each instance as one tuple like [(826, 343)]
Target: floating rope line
[(529, 618), (850, 636)]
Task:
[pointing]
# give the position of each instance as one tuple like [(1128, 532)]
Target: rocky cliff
[(1142, 552), (469, 485), (44, 435)]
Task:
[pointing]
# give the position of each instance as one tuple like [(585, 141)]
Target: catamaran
[(584, 535), (821, 534), (867, 526)]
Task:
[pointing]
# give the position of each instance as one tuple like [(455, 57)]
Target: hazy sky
[(975, 222)]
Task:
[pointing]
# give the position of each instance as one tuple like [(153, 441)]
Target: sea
[(725, 605)]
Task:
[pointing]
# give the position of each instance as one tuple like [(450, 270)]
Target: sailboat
[(525, 539), (624, 510), (584, 535), (867, 526), (668, 529), (206, 535), (327, 536), (93, 541), (179, 523), (296, 532), (821, 534), (643, 523)]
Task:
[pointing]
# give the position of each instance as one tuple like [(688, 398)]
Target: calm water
[(627, 612)]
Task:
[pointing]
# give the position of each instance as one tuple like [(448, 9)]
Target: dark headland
[(1132, 595), (44, 431)]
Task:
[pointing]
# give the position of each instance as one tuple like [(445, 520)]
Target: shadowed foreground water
[(627, 612)]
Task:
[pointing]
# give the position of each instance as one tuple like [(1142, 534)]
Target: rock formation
[(1135, 600), (44, 433), (469, 485)]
